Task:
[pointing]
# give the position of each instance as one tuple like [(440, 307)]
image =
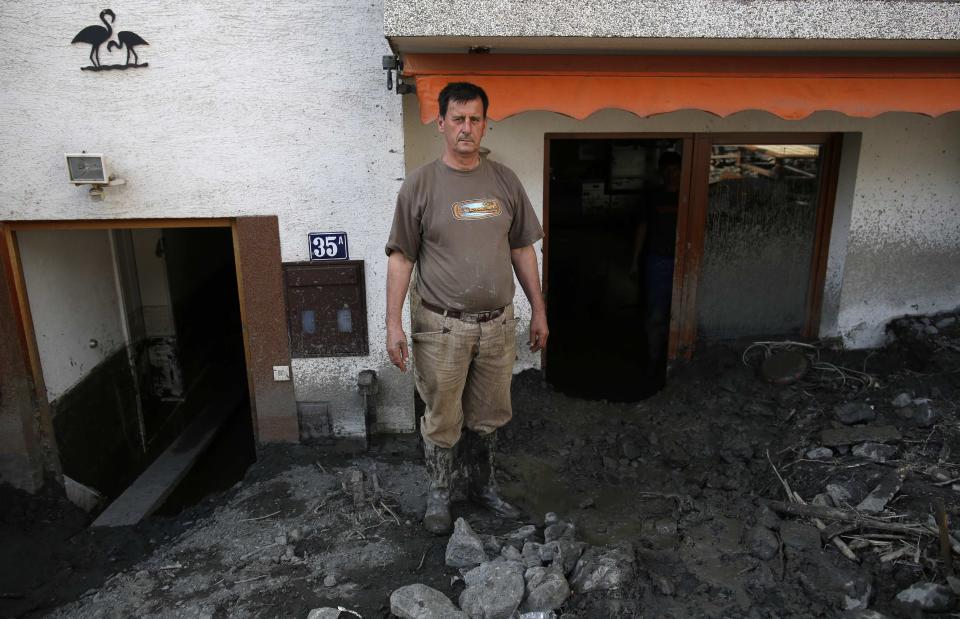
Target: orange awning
[(789, 87)]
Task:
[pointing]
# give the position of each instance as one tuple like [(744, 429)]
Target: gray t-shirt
[(459, 228)]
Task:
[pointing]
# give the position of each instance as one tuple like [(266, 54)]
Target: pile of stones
[(527, 572)]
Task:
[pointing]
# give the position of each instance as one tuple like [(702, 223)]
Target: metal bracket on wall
[(393, 64)]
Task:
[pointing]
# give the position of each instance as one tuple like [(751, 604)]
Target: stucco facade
[(242, 110)]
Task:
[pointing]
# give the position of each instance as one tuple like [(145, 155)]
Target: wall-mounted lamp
[(90, 169)]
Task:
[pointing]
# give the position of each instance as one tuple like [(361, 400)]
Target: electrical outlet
[(281, 373)]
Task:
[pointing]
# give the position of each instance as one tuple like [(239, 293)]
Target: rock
[(546, 591), (562, 553), (518, 537), (878, 452), (491, 544), (928, 597), (877, 500), (902, 400), (543, 614), (924, 415), (324, 613), (823, 500), (767, 518), (784, 367), (855, 412), (850, 588), (603, 569), (494, 590), (550, 518), (834, 437), (864, 614), (845, 492), (531, 554), (664, 586), (465, 548), (630, 449), (510, 553), (931, 330), (330, 581), (943, 323), (762, 543), (586, 504), (820, 453), (561, 530), (422, 602), (797, 536)]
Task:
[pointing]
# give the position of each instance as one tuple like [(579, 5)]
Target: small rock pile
[(526, 571)]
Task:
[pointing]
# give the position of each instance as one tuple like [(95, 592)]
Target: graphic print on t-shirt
[(475, 210)]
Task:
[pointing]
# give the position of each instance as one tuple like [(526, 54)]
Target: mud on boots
[(439, 460), (483, 482)]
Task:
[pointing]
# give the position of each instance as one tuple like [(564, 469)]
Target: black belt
[(465, 316)]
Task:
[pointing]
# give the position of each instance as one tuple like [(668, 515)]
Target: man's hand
[(538, 331), (397, 347)]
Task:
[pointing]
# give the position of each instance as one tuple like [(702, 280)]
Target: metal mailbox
[(326, 309)]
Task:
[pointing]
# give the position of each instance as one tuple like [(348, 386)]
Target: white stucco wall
[(73, 301), (895, 243), (245, 109)]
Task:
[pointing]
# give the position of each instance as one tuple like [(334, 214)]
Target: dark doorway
[(160, 309), (612, 219)]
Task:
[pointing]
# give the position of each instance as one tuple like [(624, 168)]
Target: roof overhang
[(790, 87)]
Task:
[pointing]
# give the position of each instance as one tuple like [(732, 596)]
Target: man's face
[(463, 126)]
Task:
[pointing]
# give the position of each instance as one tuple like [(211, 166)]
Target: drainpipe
[(367, 386)]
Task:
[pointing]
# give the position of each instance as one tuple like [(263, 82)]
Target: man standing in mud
[(467, 226)]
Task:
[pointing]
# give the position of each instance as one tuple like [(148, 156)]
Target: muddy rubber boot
[(436, 518), (483, 483)]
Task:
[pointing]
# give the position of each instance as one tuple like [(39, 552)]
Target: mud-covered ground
[(684, 476)]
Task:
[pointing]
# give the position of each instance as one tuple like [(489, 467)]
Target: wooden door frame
[(691, 220), (692, 225)]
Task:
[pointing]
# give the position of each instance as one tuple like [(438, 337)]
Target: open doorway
[(140, 343), (612, 209)]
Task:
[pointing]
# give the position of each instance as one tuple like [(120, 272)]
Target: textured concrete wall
[(896, 229), (245, 109), (73, 300), (723, 19)]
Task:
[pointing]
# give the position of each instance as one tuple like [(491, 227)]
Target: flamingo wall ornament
[(131, 40), (95, 36)]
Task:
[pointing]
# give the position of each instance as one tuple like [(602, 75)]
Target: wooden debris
[(834, 513), (944, 534), (259, 517), (796, 499)]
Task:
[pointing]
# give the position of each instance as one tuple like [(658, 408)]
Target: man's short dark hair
[(461, 92)]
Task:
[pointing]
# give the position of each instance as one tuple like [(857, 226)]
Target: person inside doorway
[(654, 250)]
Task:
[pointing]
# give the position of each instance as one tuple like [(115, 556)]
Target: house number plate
[(328, 246)]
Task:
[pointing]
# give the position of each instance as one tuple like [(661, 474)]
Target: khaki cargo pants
[(463, 371)]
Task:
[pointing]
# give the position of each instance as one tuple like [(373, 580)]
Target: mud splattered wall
[(895, 242), (245, 109), (903, 255)]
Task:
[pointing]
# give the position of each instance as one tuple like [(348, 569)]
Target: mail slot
[(326, 309)]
